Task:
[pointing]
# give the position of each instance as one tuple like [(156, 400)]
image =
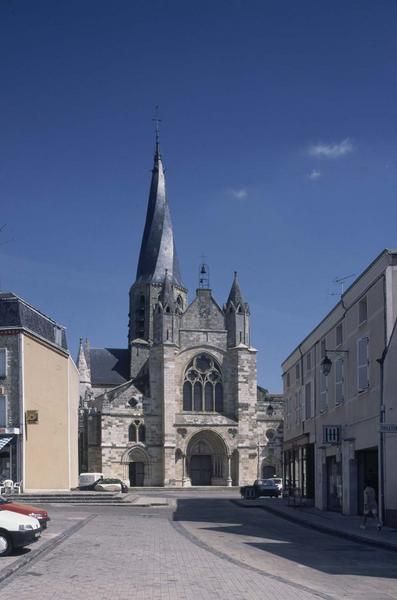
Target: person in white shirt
[(370, 506)]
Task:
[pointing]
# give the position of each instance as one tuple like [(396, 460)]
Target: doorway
[(334, 484), (200, 469), (268, 471), (136, 474)]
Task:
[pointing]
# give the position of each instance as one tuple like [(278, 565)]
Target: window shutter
[(362, 364), (323, 392), (308, 400), (339, 381)]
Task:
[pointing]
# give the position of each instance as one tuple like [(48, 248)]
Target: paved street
[(200, 548)]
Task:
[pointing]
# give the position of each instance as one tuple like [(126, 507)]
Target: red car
[(31, 511)]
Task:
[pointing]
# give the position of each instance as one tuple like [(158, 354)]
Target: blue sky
[(278, 136)]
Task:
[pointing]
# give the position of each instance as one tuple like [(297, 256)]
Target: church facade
[(180, 406)]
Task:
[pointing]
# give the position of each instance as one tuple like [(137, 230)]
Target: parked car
[(105, 481), (25, 509), (17, 531), (262, 487), (279, 483)]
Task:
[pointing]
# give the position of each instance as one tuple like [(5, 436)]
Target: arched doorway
[(208, 462), (136, 467), (268, 471)]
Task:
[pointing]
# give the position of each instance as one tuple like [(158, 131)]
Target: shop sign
[(388, 427)]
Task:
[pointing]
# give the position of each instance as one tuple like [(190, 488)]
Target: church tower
[(158, 271)]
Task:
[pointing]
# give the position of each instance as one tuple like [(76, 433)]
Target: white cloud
[(314, 175), (332, 150), (240, 194)]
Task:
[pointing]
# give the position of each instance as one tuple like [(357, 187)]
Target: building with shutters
[(332, 391), (180, 405), (39, 396)]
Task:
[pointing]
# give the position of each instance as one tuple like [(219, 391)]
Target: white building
[(331, 429)]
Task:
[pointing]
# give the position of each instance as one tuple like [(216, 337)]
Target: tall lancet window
[(140, 316), (202, 385)]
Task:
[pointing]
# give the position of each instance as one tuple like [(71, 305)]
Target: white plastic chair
[(8, 485), (18, 487)]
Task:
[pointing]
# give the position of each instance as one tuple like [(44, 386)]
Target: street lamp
[(326, 363)]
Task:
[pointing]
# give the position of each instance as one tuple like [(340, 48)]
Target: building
[(180, 405), (388, 440), (38, 399), (332, 389)]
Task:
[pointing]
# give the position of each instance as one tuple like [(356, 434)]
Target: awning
[(4, 441)]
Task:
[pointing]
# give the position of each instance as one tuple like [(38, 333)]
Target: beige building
[(389, 438), (331, 429), (39, 393)]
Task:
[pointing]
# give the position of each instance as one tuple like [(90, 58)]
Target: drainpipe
[(381, 441)]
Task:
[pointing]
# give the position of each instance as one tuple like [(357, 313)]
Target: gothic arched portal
[(136, 465), (208, 459)]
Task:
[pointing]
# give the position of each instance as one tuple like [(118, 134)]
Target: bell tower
[(157, 256)]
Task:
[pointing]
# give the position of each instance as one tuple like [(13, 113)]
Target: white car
[(16, 531)]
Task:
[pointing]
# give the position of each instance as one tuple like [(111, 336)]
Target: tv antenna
[(341, 282)]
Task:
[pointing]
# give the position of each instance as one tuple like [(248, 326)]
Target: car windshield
[(277, 480), (268, 483)]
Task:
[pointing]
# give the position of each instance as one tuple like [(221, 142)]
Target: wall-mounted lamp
[(326, 363)]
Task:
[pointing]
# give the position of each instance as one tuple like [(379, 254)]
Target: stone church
[(180, 406)]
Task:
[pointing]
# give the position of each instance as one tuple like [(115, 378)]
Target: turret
[(166, 315), (84, 372), (237, 317)]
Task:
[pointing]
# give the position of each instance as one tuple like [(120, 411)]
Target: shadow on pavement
[(290, 541)]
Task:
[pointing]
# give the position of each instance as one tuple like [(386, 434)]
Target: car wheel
[(5, 544)]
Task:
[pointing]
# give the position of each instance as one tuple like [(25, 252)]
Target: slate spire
[(235, 295), (158, 251)]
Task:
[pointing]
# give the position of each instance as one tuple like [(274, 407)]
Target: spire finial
[(157, 122)]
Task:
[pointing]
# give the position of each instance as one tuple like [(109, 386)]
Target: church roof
[(109, 366), (158, 251)]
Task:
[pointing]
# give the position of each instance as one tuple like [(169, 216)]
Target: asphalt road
[(200, 548)]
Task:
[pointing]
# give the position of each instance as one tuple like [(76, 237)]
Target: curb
[(384, 544), (34, 554)]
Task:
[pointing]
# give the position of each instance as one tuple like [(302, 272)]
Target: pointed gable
[(203, 313)]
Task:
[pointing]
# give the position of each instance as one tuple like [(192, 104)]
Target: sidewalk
[(328, 522)]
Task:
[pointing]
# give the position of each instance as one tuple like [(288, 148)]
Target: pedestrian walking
[(370, 506)]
